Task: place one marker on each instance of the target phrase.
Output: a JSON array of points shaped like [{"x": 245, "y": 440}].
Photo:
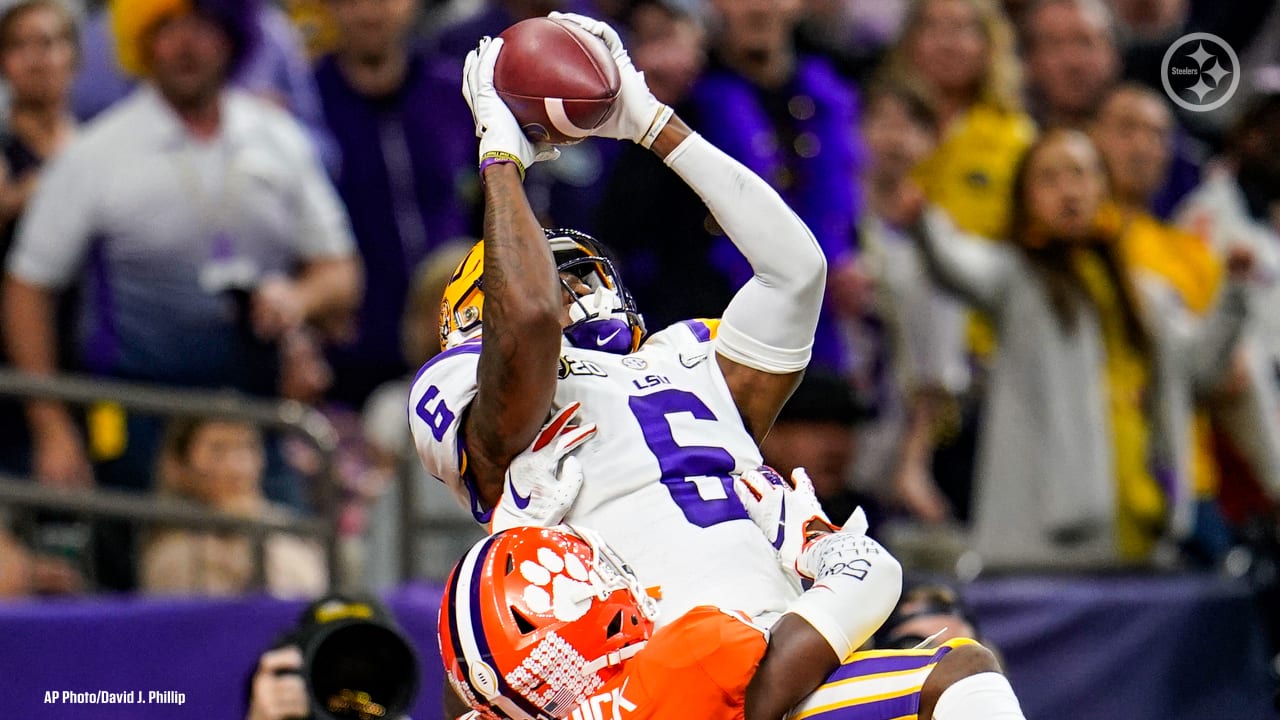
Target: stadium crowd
[{"x": 1048, "y": 316}]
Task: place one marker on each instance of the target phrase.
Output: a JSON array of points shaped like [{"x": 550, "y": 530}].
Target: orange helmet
[{"x": 534, "y": 620}]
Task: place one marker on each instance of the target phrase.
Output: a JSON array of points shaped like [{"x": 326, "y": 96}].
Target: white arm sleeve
[
  {"x": 855, "y": 589},
  {"x": 975, "y": 270},
  {"x": 770, "y": 322}
]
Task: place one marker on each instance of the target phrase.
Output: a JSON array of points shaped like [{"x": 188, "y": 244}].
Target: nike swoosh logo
[
  {"x": 601, "y": 341},
  {"x": 692, "y": 362},
  {"x": 782, "y": 528},
  {"x": 521, "y": 502}
]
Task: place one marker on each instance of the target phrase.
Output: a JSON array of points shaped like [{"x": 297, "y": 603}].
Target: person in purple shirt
[
  {"x": 402, "y": 131},
  {"x": 455, "y": 40},
  {"x": 787, "y": 117}
]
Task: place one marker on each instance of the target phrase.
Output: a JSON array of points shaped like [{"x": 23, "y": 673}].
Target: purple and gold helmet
[{"x": 605, "y": 320}]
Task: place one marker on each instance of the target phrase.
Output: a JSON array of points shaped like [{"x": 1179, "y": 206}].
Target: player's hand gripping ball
[{"x": 560, "y": 81}]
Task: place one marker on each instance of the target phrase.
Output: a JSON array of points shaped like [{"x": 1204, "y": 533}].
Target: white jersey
[{"x": 658, "y": 483}]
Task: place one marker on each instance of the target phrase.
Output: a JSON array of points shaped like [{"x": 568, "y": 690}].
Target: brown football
[{"x": 559, "y": 80}]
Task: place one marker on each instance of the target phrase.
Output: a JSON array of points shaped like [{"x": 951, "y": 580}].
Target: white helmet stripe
[{"x": 467, "y": 629}]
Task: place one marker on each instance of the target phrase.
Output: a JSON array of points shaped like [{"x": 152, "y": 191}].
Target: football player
[
  {"x": 551, "y": 623},
  {"x": 538, "y": 323},
  {"x": 535, "y": 322}
]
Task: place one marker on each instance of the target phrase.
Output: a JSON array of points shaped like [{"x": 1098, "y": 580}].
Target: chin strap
[{"x": 616, "y": 657}]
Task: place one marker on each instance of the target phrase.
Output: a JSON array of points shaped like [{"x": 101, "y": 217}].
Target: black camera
[{"x": 356, "y": 661}]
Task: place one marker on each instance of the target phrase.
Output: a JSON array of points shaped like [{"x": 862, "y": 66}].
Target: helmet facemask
[{"x": 606, "y": 319}]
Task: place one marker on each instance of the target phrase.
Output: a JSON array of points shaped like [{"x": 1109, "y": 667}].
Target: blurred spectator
[
  {"x": 1133, "y": 131},
  {"x": 1073, "y": 63},
  {"x": 853, "y": 34},
  {"x": 208, "y": 228},
  {"x": 651, "y": 218},
  {"x": 814, "y": 431},
  {"x": 668, "y": 42},
  {"x": 1239, "y": 200},
  {"x": 1239, "y": 204},
  {"x": 1148, "y": 28},
  {"x": 219, "y": 465},
  {"x": 435, "y": 552},
  {"x": 276, "y": 68},
  {"x": 1133, "y": 134},
  {"x": 961, "y": 53},
  {"x": 452, "y": 43},
  {"x": 1063, "y": 463},
  {"x": 927, "y": 616},
  {"x": 37, "y": 61},
  {"x": 787, "y": 117},
  {"x": 916, "y": 332},
  {"x": 38, "y": 55},
  {"x": 405, "y": 137},
  {"x": 1072, "y": 59}
]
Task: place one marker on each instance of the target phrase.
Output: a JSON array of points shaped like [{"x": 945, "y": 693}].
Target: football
[{"x": 559, "y": 80}]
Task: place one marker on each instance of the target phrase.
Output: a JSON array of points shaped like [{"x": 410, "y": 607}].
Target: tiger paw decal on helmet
[{"x": 536, "y": 619}]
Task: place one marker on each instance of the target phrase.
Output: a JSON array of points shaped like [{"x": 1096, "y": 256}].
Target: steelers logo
[{"x": 1200, "y": 72}]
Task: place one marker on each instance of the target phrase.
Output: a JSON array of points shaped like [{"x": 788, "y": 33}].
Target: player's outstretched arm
[
  {"x": 766, "y": 333},
  {"x": 516, "y": 375}
]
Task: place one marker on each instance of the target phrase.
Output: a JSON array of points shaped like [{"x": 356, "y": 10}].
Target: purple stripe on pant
[{"x": 889, "y": 708}]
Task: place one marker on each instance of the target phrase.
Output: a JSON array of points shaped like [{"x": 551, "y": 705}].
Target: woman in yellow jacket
[{"x": 960, "y": 53}]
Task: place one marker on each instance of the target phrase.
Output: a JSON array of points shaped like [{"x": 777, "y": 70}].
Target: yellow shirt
[
  {"x": 315, "y": 23},
  {"x": 970, "y": 173},
  {"x": 1182, "y": 259},
  {"x": 1140, "y": 501}
]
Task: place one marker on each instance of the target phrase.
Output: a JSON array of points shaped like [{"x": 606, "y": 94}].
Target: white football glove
[
  {"x": 843, "y": 552},
  {"x": 783, "y": 510},
  {"x": 637, "y": 114},
  {"x": 856, "y": 585},
  {"x": 543, "y": 481},
  {"x": 499, "y": 131}
]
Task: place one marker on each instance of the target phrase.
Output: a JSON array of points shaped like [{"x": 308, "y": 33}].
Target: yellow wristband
[{"x": 493, "y": 157}]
